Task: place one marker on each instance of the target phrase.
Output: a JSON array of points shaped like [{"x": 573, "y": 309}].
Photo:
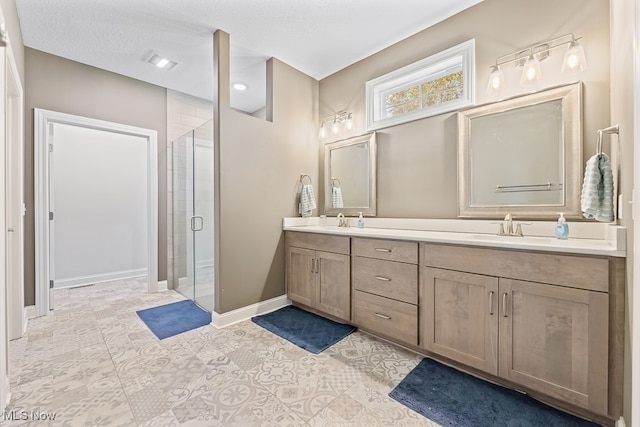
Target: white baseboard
[
  {"x": 163, "y": 285},
  {"x": 73, "y": 282},
  {"x": 620, "y": 422},
  {"x": 245, "y": 313},
  {"x": 30, "y": 312}
]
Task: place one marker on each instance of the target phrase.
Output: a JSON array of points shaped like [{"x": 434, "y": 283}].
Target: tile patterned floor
[{"x": 93, "y": 362}]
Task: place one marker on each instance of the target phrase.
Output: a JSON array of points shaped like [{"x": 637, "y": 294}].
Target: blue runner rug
[
  {"x": 306, "y": 330},
  {"x": 172, "y": 319},
  {"x": 453, "y": 398}
]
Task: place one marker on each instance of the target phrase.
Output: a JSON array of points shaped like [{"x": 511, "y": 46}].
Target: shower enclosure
[{"x": 193, "y": 243}]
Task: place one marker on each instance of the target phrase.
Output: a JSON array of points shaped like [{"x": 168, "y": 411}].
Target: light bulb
[
  {"x": 531, "y": 71},
  {"x": 334, "y": 127},
  {"x": 323, "y": 132},
  {"x": 496, "y": 80},
  {"x": 349, "y": 123},
  {"x": 574, "y": 59}
]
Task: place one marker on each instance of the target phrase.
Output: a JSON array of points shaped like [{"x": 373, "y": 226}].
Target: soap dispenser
[
  {"x": 360, "y": 221},
  {"x": 562, "y": 228}
]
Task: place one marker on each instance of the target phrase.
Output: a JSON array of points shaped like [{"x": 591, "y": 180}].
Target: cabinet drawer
[
  {"x": 394, "y": 319},
  {"x": 319, "y": 242},
  {"x": 391, "y": 250},
  {"x": 582, "y": 272},
  {"x": 386, "y": 278}
]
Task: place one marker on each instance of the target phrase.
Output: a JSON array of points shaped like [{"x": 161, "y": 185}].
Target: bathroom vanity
[{"x": 534, "y": 314}]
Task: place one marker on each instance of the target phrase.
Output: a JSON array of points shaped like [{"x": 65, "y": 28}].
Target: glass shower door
[
  {"x": 193, "y": 215},
  {"x": 203, "y": 215}
]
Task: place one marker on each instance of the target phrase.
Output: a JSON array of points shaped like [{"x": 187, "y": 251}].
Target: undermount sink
[{"x": 515, "y": 239}]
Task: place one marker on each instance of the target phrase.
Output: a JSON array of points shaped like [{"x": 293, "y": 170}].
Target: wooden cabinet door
[
  {"x": 333, "y": 291},
  {"x": 460, "y": 317},
  {"x": 301, "y": 275},
  {"x": 555, "y": 339}
]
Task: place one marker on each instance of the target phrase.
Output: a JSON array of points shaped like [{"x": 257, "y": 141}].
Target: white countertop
[{"x": 600, "y": 239}]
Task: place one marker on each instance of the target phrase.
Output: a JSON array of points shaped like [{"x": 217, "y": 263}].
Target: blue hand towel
[
  {"x": 307, "y": 200},
  {"x": 336, "y": 198},
  {"x": 597, "y": 189}
]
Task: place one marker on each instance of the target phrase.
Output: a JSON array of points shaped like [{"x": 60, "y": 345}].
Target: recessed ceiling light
[
  {"x": 160, "y": 62},
  {"x": 240, "y": 86}
]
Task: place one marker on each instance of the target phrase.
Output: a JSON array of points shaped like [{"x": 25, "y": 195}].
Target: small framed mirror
[
  {"x": 350, "y": 176},
  {"x": 522, "y": 156}
]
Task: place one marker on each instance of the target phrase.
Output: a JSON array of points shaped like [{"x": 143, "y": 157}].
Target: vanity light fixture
[
  {"x": 336, "y": 123},
  {"x": 529, "y": 58}
]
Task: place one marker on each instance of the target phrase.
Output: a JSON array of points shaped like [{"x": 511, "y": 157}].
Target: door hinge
[
  {"x": 50, "y": 216},
  {"x": 51, "y": 148},
  {"x": 50, "y": 284}
]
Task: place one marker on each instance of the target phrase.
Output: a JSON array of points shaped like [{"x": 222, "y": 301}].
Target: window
[{"x": 438, "y": 84}]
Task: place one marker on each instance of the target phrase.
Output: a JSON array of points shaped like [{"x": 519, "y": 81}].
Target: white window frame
[{"x": 420, "y": 70}]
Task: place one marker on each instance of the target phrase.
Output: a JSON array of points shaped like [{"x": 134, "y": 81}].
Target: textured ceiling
[{"x": 318, "y": 37}]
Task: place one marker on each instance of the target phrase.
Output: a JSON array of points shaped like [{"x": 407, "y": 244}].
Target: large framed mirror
[
  {"x": 522, "y": 156},
  {"x": 350, "y": 176}
]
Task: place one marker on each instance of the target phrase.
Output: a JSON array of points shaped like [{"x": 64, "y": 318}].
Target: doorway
[
  {"x": 15, "y": 209},
  {"x": 47, "y": 125},
  {"x": 192, "y": 198}
]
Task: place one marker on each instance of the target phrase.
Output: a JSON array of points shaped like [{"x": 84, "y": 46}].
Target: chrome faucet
[{"x": 342, "y": 221}]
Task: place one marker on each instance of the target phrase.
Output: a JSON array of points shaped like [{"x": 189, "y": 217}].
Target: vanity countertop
[{"x": 591, "y": 239}]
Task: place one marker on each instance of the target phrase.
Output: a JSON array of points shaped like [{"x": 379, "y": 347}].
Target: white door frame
[
  {"x": 43, "y": 125},
  {"x": 634, "y": 320},
  {"x": 14, "y": 137}
]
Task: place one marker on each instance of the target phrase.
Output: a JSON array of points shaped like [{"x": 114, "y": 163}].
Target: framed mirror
[
  {"x": 522, "y": 156},
  {"x": 350, "y": 176}
]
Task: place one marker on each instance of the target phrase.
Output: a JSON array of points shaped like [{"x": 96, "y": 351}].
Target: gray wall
[
  {"x": 259, "y": 165},
  {"x": 417, "y": 169},
  {"x": 58, "y": 84}
]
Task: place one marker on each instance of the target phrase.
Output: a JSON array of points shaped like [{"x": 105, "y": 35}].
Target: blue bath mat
[
  {"x": 172, "y": 319},
  {"x": 453, "y": 398},
  {"x": 306, "y": 330}
]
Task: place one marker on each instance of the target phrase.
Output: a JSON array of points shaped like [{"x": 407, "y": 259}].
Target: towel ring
[
  {"x": 611, "y": 129},
  {"x": 334, "y": 181},
  {"x": 303, "y": 176}
]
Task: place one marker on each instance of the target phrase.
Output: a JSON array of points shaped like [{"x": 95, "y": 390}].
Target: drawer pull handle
[
  {"x": 383, "y": 250},
  {"x": 491, "y": 303},
  {"x": 382, "y": 316},
  {"x": 313, "y": 265},
  {"x": 504, "y": 304},
  {"x": 384, "y": 279}
]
